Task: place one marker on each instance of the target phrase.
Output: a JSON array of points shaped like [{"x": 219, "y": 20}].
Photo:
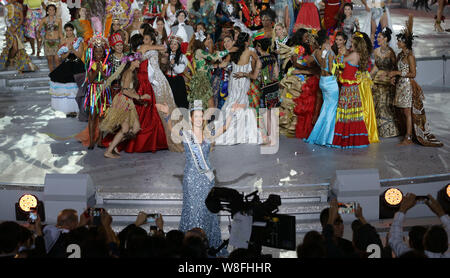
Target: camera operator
[{"x": 436, "y": 238}]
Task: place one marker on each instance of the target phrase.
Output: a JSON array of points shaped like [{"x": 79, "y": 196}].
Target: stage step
[
  {"x": 305, "y": 202},
  {"x": 308, "y": 192}
]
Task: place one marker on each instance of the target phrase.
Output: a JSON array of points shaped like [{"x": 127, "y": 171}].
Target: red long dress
[
  {"x": 305, "y": 107},
  {"x": 331, "y": 10},
  {"x": 151, "y": 137}
]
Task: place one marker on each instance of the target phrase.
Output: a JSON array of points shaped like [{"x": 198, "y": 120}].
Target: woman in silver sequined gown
[
  {"x": 197, "y": 185},
  {"x": 163, "y": 94}
]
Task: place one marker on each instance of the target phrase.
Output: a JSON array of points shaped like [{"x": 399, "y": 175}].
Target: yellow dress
[{"x": 365, "y": 90}]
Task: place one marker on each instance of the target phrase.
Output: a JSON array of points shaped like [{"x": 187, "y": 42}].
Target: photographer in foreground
[{"x": 436, "y": 238}]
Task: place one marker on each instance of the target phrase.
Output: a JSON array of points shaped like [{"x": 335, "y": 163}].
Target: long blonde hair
[
  {"x": 274, "y": 43},
  {"x": 361, "y": 49}
]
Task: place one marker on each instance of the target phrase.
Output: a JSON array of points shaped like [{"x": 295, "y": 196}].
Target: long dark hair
[
  {"x": 344, "y": 36},
  {"x": 241, "y": 45},
  {"x": 127, "y": 67},
  {"x": 341, "y": 15},
  {"x": 177, "y": 53},
  {"x": 147, "y": 28},
  {"x": 164, "y": 33},
  {"x": 178, "y": 5},
  {"x": 135, "y": 41}
]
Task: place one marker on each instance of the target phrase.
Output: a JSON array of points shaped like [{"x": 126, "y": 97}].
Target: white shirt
[
  {"x": 180, "y": 67},
  {"x": 182, "y": 32},
  {"x": 396, "y": 237}
]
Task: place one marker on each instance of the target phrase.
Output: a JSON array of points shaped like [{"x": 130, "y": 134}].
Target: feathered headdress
[{"x": 406, "y": 35}]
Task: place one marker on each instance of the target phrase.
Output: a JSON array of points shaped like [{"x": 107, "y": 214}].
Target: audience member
[{"x": 435, "y": 241}]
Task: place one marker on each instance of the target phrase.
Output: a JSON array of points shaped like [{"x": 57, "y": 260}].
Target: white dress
[
  {"x": 376, "y": 12},
  {"x": 243, "y": 128}
]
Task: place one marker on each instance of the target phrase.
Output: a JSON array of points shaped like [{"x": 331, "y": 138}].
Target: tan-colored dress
[
  {"x": 408, "y": 92},
  {"x": 122, "y": 109},
  {"x": 383, "y": 96}
]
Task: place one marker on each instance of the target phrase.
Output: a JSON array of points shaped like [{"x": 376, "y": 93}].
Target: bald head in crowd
[{"x": 67, "y": 219}]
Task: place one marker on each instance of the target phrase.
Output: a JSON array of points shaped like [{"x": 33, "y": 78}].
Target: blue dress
[
  {"x": 323, "y": 131},
  {"x": 196, "y": 187}
]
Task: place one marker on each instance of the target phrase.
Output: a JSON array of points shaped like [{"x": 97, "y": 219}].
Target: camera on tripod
[{"x": 268, "y": 228}]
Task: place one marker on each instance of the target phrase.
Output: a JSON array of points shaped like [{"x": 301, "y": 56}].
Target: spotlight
[
  {"x": 26, "y": 204},
  {"x": 390, "y": 202},
  {"x": 393, "y": 197},
  {"x": 28, "y": 201},
  {"x": 443, "y": 197}
]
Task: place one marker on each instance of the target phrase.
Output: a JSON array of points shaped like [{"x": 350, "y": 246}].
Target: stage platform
[{"x": 299, "y": 172}]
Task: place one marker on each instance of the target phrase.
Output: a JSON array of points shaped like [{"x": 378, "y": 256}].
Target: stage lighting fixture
[
  {"x": 443, "y": 197},
  {"x": 393, "y": 197},
  {"x": 26, "y": 203},
  {"x": 390, "y": 202}
]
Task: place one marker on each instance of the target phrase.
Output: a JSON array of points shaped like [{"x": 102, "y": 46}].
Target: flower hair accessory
[
  {"x": 133, "y": 57},
  {"x": 200, "y": 36},
  {"x": 358, "y": 34}
]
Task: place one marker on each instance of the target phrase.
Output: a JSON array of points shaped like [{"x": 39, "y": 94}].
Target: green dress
[{"x": 200, "y": 84}]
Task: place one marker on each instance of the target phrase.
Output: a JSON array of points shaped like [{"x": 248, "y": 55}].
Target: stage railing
[{"x": 433, "y": 71}]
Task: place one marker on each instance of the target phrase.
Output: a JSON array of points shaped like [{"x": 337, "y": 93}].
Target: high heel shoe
[{"x": 437, "y": 26}]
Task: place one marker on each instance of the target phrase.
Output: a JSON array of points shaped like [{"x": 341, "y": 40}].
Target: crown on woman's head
[
  {"x": 197, "y": 105},
  {"x": 175, "y": 38},
  {"x": 181, "y": 11}
]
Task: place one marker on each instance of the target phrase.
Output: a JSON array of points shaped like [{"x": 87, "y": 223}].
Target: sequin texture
[{"x": 196, "y": 187}]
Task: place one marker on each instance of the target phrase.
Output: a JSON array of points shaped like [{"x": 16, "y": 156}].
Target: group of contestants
[{"x": 337, "y": 87}]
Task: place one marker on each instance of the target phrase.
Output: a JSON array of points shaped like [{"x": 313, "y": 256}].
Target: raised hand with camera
[
  {"x": 334, "y": 209},
  {"x": 359, "y": 214},
  {"x": 141, "y": 219},
  {"x": 435, "y": 206},
  {"x": 407, "y": 203}
]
